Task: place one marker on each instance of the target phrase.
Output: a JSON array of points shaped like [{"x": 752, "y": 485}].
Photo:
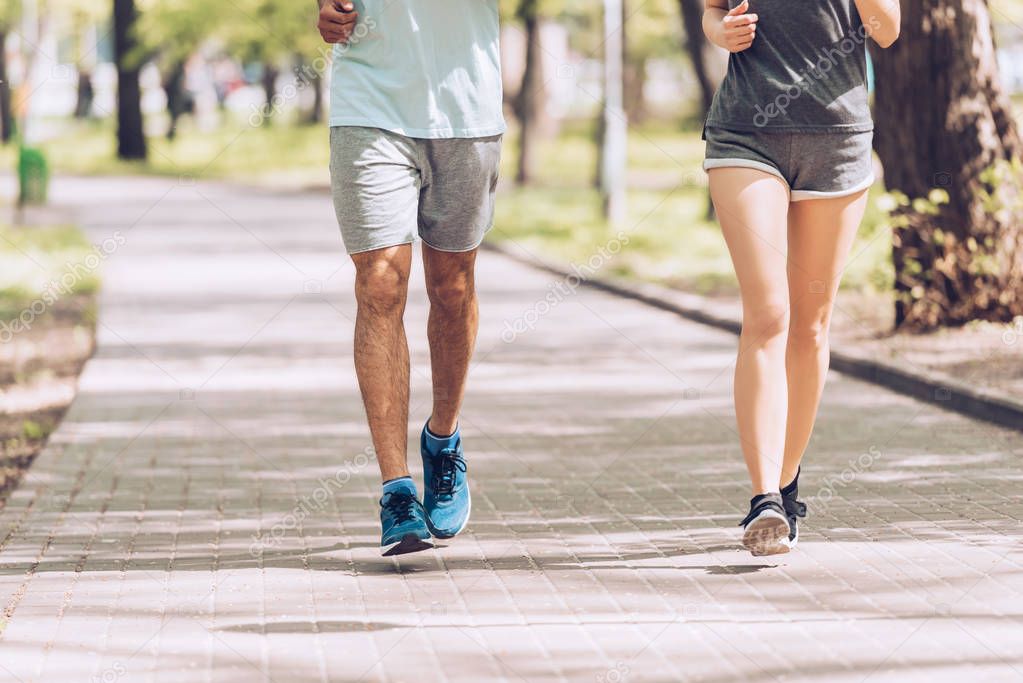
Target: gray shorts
[
  {"x": 813, "y": 165},
  {"x": 388, "y": 189}
]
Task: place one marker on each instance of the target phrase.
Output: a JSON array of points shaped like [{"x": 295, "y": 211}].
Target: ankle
[
  {"x": 789, "y": 481},
  {"x": 394, "y": 475},
  {"x": 441, "y": 430},
  {"x": 405, "y": 483}
]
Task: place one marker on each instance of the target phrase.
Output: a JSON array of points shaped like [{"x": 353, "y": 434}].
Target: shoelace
[
  {"x": 448, "y": 461},
  {"x": 400, "y": 505}
]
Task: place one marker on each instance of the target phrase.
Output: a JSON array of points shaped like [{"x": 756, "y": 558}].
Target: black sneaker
[
  {"x": 767, "y": 526},
  {"x": 794, "y": 509}
]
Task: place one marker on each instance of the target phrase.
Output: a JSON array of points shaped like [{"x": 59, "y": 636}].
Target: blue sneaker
[
  {"x": 446, "y": 493},
  {"x": 403, "y": 521}
]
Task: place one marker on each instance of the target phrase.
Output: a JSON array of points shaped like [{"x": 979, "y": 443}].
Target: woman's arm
[
  {"x": 733, "y": 30},
  {"x": 881, "y": 19}
]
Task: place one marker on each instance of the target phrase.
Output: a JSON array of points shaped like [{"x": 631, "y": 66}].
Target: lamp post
[{"x": 613, "y": 160}]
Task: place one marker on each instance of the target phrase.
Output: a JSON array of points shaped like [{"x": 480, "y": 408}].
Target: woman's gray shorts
[
  {"x": 389, "y": 189},
  {"x": 813, "y": 165}
]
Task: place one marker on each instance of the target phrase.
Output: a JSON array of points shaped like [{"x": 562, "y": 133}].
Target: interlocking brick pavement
[{"x": 207, "y": 511}]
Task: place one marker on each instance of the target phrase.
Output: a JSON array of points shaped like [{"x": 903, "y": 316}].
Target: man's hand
[{"x": 337, "y": 20}]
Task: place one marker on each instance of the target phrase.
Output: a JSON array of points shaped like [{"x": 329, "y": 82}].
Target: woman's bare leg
[
  {"x": 821, "y": 233},
  {"x": 752, "y": 207}
]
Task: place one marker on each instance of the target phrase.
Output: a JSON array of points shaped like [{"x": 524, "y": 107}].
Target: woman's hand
[{"x": 732, "y": 29}]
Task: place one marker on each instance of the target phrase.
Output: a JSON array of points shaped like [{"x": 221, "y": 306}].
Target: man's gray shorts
[
  {"x": 388, "y": 189},
  {"x": 813, "y": 165}
]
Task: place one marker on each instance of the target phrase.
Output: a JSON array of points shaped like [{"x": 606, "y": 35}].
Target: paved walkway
[{"x": 207, "y": 511}]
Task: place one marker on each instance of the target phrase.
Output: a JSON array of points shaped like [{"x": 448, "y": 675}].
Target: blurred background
[{"x": 605, "y": 102}]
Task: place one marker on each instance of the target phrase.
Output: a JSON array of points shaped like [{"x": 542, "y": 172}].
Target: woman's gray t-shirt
[{"x": 806, "y": 71}]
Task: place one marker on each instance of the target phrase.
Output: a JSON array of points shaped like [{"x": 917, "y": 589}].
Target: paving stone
[{"x": 207, "y": 511}]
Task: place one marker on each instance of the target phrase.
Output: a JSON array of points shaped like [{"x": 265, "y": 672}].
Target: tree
[
  {"x": 614, "y": 126},
  {"x": 9, "y": 12},
  {"x": 178, "y": 100},
  {"x": 79, "y": 19},
  {"x": 131, "y": 139},
  {"x": 170, "y": 32},
  {"x": 950, "y": 148},
  {"x": 311, "y": 57},
  {"x": 315, "y": 81},
  {"x": 531, "y": 98},
  {"x": 274, "y": 33},
  {"x": 709, "y": 61},
  {"x": 650, "y": 31}
]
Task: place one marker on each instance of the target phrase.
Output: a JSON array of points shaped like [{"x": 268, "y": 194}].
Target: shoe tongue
[
  {"x": 403, "y": 485},
  {"x": 435, "y": 444}
]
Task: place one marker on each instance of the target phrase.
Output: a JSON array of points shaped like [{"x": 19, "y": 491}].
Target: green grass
[
  {"x": 670, "y": 238},
  {"x": 235, "y": 151},
  {"x": 33, "y": 430},
  {"x": 44, "y": 264},
  {"x": 558, "y": 217}
]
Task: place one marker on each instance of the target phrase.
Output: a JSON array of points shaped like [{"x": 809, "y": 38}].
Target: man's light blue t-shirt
[{"x": 421, "y": 68}]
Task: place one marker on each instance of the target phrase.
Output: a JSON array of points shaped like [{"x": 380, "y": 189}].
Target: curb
[{"x": 935, "y": 388}]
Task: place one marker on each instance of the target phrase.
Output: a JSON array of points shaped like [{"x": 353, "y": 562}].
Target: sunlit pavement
[{"x": 207, "y": 512}]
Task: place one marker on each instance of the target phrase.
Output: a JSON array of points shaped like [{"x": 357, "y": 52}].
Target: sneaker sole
[
  {"x": 410, "y": 543},
  {"x": 768, "y": 534},
  {"x": 793, "y": 541},
  {"x": 442, "y": 534}
]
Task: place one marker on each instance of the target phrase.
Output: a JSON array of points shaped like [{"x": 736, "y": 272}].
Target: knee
[
  {"x": 810, "y": 331},
  {"x": 452, "y": 293},
  {"x": 380, "y": 287},
  {"x": 765, "y": 324}
]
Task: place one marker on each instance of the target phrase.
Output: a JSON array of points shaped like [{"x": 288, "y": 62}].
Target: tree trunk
[
  {"x": 635, "y": 90},
  {"x": 633, "y": 76},
  {"x": 6, "y": 116},
  {"x": 131, "y": 139},
  {"x": 314, "y": 80},
  {"x": 84, "y": 92},
  {"x": 84, "y": 95},
  {"x": 174, "y": 88},
  {"x": 944, "y": 123},
  {"x": 270, "y": 73},
  {"x": 709, "y": 61},
  {"x": 531, "y": 99},
  {"x": 614, "y": 142}
]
